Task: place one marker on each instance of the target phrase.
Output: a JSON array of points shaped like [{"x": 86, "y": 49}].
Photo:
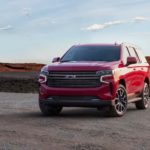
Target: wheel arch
[
  {"x": 122, "y": 82},
  {"x": 147, "y": 80}
]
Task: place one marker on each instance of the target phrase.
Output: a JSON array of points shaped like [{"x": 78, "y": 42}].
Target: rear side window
[
  {"x": 133, "y": 53},
  {"x": 141, "y": 56},
  {"x": 126, "y": 54}
]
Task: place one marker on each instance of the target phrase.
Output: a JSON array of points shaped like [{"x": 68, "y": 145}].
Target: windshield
[{"x": 92, "y": 53}]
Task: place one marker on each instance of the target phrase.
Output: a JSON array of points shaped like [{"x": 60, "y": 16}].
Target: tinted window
[
  {"x": 92, "y": 53},
  {"x": 125, "y": 55},
  {"x": 141, "y": 56},
  {"x": 133, "y": 53}
]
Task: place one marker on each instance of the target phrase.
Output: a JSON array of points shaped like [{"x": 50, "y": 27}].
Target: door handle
[{"x": 134, "y": 69}]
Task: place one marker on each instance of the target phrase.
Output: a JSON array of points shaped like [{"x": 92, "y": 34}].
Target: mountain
[{"x": 20, "y": 67}]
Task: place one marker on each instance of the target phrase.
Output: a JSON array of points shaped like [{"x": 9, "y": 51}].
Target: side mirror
[
  {"x": 131, "y": 60},
  {"x": 57, "y": 59}
]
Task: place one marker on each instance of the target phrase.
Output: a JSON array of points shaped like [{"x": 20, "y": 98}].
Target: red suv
[{"x": 96, "y": 75}]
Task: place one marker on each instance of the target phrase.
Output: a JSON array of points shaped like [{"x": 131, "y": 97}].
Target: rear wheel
[
  {"x": 49, "y": 110},
  {"x": 120, "y": 106},
  {"x": 144, "y": 102}
]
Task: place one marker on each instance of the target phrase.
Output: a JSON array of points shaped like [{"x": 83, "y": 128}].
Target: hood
[{"x": 81, "y": 66}]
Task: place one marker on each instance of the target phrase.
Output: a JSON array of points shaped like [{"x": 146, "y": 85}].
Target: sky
[{"x": 39, "y": 30}]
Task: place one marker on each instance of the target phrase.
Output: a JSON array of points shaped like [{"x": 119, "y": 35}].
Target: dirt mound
[
  {"x": 21, "y": 78},
  {"x": 25, "y": 67}
]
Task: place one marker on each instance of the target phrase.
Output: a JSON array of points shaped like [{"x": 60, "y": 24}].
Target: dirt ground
[{"x": 22, "y": 127}]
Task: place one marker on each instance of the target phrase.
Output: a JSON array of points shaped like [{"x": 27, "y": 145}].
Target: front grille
[{"x": 73, "y": 79}]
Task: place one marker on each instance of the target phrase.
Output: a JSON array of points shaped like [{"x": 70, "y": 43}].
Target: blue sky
[{"x": 38, "y": 30}]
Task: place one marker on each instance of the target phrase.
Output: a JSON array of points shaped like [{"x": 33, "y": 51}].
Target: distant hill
[{"x": 20, "y": 67}]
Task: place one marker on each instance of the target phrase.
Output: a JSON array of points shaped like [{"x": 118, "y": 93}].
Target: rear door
[
  {"x": 127, "y": 71},
  {"x": 135, "y": 84},
  {"x": 142, "y": 69}
]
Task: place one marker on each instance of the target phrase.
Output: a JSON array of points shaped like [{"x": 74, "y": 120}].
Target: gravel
[{"x": 23, "y": 127}]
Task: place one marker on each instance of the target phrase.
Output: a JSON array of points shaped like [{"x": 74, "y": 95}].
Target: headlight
[
  {"x": 43, "y": 77},
  {"x": 106, "y": 76}
]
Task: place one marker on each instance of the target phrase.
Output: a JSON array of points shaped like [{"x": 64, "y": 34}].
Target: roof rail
[{"x": 129, "y": 44}]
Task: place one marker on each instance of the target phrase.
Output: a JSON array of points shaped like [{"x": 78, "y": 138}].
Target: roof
[{"x": 99, "y": 44}]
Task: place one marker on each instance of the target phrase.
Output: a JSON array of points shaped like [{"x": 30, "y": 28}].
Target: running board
[{"x": 134, "y": 99}]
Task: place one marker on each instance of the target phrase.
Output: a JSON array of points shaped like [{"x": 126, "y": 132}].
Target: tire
[
  {"x": 144, "y": 102},
  {"x": 49, "y": 110},
  {"x": 120, "y": 106}
]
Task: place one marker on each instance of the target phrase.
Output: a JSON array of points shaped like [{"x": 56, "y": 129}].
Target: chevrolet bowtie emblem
[{"x": 70, "y": 76}]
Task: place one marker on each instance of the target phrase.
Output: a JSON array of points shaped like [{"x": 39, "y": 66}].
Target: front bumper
[
  {"x": 76, "y": 101},
  {"x": 104, "y": 92},
  {"x": 77, "y": 97}
]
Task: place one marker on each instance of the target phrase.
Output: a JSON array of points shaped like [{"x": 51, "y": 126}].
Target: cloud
[
  {"x": 140, "y": 19},
  {"x": 43, "y": 22},
  {"x": 96, "y": 27},
  {"x": 8, "y": 27},
  {"x": 26, "y": 12}
]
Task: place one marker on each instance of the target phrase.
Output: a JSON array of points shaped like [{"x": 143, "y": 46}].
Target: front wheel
[
  {"x": 49, "y": 110},
  {"x": 143, "y": 103},
  {"x": 120, "y": 106}
]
